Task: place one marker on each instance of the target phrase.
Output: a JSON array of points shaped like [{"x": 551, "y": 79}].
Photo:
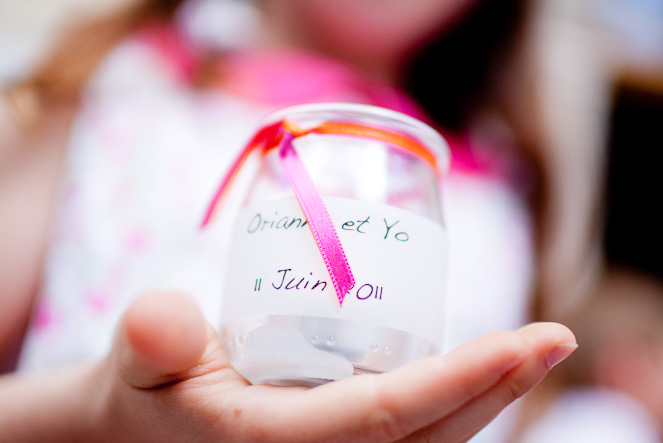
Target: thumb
[{"x": 160, "y": 337}]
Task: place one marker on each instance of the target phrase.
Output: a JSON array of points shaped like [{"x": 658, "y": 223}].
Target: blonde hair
[{"x": 58, "y": 80}]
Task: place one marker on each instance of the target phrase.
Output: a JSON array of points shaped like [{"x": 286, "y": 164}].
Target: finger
[
  {"x": 396, "y": 404},
  {"x": 159, "y": 336},
  {"x": 481, "y": 410}
]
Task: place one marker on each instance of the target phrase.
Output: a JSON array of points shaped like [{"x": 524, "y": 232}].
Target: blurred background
[{"x": 599, "y": 74}]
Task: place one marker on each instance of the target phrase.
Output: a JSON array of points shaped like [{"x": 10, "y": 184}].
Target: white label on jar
[{"x": 398, "y": 260}]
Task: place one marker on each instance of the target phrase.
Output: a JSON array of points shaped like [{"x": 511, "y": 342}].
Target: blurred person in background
[
  {"x": 612, "y": 391},
  {"x": 119, "y": 139}
]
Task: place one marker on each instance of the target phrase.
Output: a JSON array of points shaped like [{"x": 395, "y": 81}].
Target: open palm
[{"x": 171, "y": 380}]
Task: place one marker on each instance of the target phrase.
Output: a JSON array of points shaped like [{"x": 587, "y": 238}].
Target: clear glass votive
[{"x": 282, "y": 322}]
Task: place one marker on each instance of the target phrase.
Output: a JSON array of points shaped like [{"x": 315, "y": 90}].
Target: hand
[{"x": 168, "y": 378}]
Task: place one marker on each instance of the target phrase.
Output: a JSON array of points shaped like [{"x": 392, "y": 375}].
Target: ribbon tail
[{"x": 318, "y": 218}]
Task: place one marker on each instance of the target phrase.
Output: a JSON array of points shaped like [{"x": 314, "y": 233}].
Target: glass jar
[{"x": 377, "y": 172}]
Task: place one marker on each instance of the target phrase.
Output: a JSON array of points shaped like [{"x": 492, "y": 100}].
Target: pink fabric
[
  {"x": 176, "y": 53},
  {"x": 278, "y": 77},
  {"x": 289, "y": 77},
  {"x": 286, "y": 77}
]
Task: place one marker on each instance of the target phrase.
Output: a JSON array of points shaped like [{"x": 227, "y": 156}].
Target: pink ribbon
[{"x": 318, "y": 218}]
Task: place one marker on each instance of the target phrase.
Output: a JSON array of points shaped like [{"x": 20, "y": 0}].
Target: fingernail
[{"x": 559, "y": 353}]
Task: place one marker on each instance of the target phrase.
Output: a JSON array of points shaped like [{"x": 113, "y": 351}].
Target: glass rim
[{"x": 432, "y": 139}]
